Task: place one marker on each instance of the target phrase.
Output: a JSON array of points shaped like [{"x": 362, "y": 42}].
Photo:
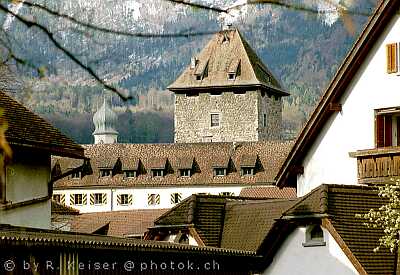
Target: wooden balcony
[{"x": 378, "y": 165}]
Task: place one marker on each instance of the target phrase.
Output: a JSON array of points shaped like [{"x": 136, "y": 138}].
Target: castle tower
[
  {"x": 105, "y": 121},
  {"x": 227, "y": 94}
]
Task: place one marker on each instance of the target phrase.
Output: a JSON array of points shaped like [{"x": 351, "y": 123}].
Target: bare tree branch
[{"x": 50, "y": 35}]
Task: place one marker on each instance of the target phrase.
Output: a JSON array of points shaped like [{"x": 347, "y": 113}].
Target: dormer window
[
  {"x": 314, "y": 236},
  {"x": 76, "y": 175},
  {"x": 220, "y": 172},
  {"x": 105, "y": 173},
  {"x": 130, "y": 174},
  {"x": 157, "y": 172},
  {"x": 247, "y": 171},
  {"x": 185, "y": 172}
]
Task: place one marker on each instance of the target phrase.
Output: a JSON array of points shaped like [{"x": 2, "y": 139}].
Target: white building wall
[
  {"x": 353, "y": 129},
  {"x": 293, "y": 258},
  {"x": 36, "y": 215},
  {"x": 27, "y": 179},
  {"x": 140, "y": 196}
]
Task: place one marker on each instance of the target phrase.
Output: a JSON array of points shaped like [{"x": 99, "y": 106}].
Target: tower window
[
  {"x": 265, "y": 120},
  {"x": 214, "y": 120},
  {"x": 231, "y": 76}
]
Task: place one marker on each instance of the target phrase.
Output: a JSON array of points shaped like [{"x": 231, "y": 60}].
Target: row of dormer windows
[{"x": 157, "y": 173}]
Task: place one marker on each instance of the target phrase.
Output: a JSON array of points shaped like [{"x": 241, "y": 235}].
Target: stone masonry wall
[
  {"x": 272, "y": 108},
  {"x": 240, "y": 117}
]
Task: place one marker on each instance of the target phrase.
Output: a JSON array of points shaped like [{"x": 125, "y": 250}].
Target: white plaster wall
[
  {"x": 35, "y": 215},
  {"x": 293, "y": 258},
  {"x": 353, "y": 129},
  {"x": 27, "y": 177},
  {"x": 140, "y": 196}
]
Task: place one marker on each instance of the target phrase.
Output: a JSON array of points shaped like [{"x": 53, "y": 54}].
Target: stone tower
[
  {"x": 227, "y": 94},
  {"x": 105, "y": 121}
]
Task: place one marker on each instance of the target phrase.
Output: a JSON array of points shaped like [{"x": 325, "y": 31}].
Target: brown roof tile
[
  {"x": 225, "y": 52},
  {"x": 120, "y": 223},
  {"x": 25, "y": 128},
  {"x": 271, "y": 192},
  {"x": 271, "y": 154},
  {"x": 61, "y": 209}
]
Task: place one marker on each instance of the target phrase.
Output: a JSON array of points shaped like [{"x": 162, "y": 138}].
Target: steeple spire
[{"x": 105, "y": 121}]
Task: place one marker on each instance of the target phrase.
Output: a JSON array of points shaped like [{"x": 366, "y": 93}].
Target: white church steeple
[{"x": 105, "y": 121}]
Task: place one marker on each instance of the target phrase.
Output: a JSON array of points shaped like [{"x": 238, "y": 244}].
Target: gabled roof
[
  {"x": 120, "y": 223},
  {"x": 227, "y": 52},
  {"x": 384, "y": 12},
  {"x": 226, "y": 222},
  {"x": 337, "y": 206},
  {"x": 27, "y": 129},
  {"x": 206, "y": 155}
]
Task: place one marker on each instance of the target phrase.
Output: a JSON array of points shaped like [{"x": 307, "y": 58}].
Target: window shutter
[
  {"x": 388, "y": 131},
  {"x": 172, "y": 198},
  {"x": 380, "y": 131},
  {"x": 150, "y": 199},
  {"x": 62, "y": 199},
  {"x": 84, "y": 199},
  {"x": 391, "y": 56},
  {"x": 130, "y": 199},
  {"x": 119, "y": 199},
  {"x": 92, "y": 199},
  {"x": 158, "y": 199},
  {"x": 104, "y": 198},
  {"x": 72, "y": 199}
]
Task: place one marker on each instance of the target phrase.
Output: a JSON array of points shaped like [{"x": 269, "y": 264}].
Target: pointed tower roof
[
  {"x": 227, "y": 61},
  {"x": 105, "y": 120}
]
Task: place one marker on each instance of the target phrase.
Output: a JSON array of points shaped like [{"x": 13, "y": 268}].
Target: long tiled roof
[
  {"x": 25, "y": 128},
  {"x": 61, "y": 209},
  {"x": 42, "y": 237},
  {"x": 119, "y": 223},
  {"x": 227, "y": 52},
  {"x": 340, "y": 203},
  {"x": 204, "y": 157}
]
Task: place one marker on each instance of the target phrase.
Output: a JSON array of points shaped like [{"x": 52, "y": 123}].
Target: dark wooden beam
[{"x": 335, "y": 107}]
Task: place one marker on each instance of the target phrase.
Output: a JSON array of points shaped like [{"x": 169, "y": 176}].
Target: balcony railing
[{"x": 377, "y": 165}]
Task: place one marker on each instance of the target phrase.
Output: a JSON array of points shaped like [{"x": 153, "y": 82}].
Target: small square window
[
  {"x": 214, "y": 120},
  {"x": 231, "y": 76},
  {"x": 98, "y": 198},
  {"x": 78, "y": 199},
  {"x": 124, "y": 199},
  {"x": 158, "y": 172},
  {"x": 198, "y": 77},
  {"x": 185, "y": 172},
  {"x": 219, "y": 172},
  {"x": 105, "y": 173},
  {"x": 130, "y": 174},
  {"x": 153, "y": 199}
]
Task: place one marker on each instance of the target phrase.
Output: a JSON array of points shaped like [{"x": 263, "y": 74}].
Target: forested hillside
[{"x": 302, "y": 49}]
